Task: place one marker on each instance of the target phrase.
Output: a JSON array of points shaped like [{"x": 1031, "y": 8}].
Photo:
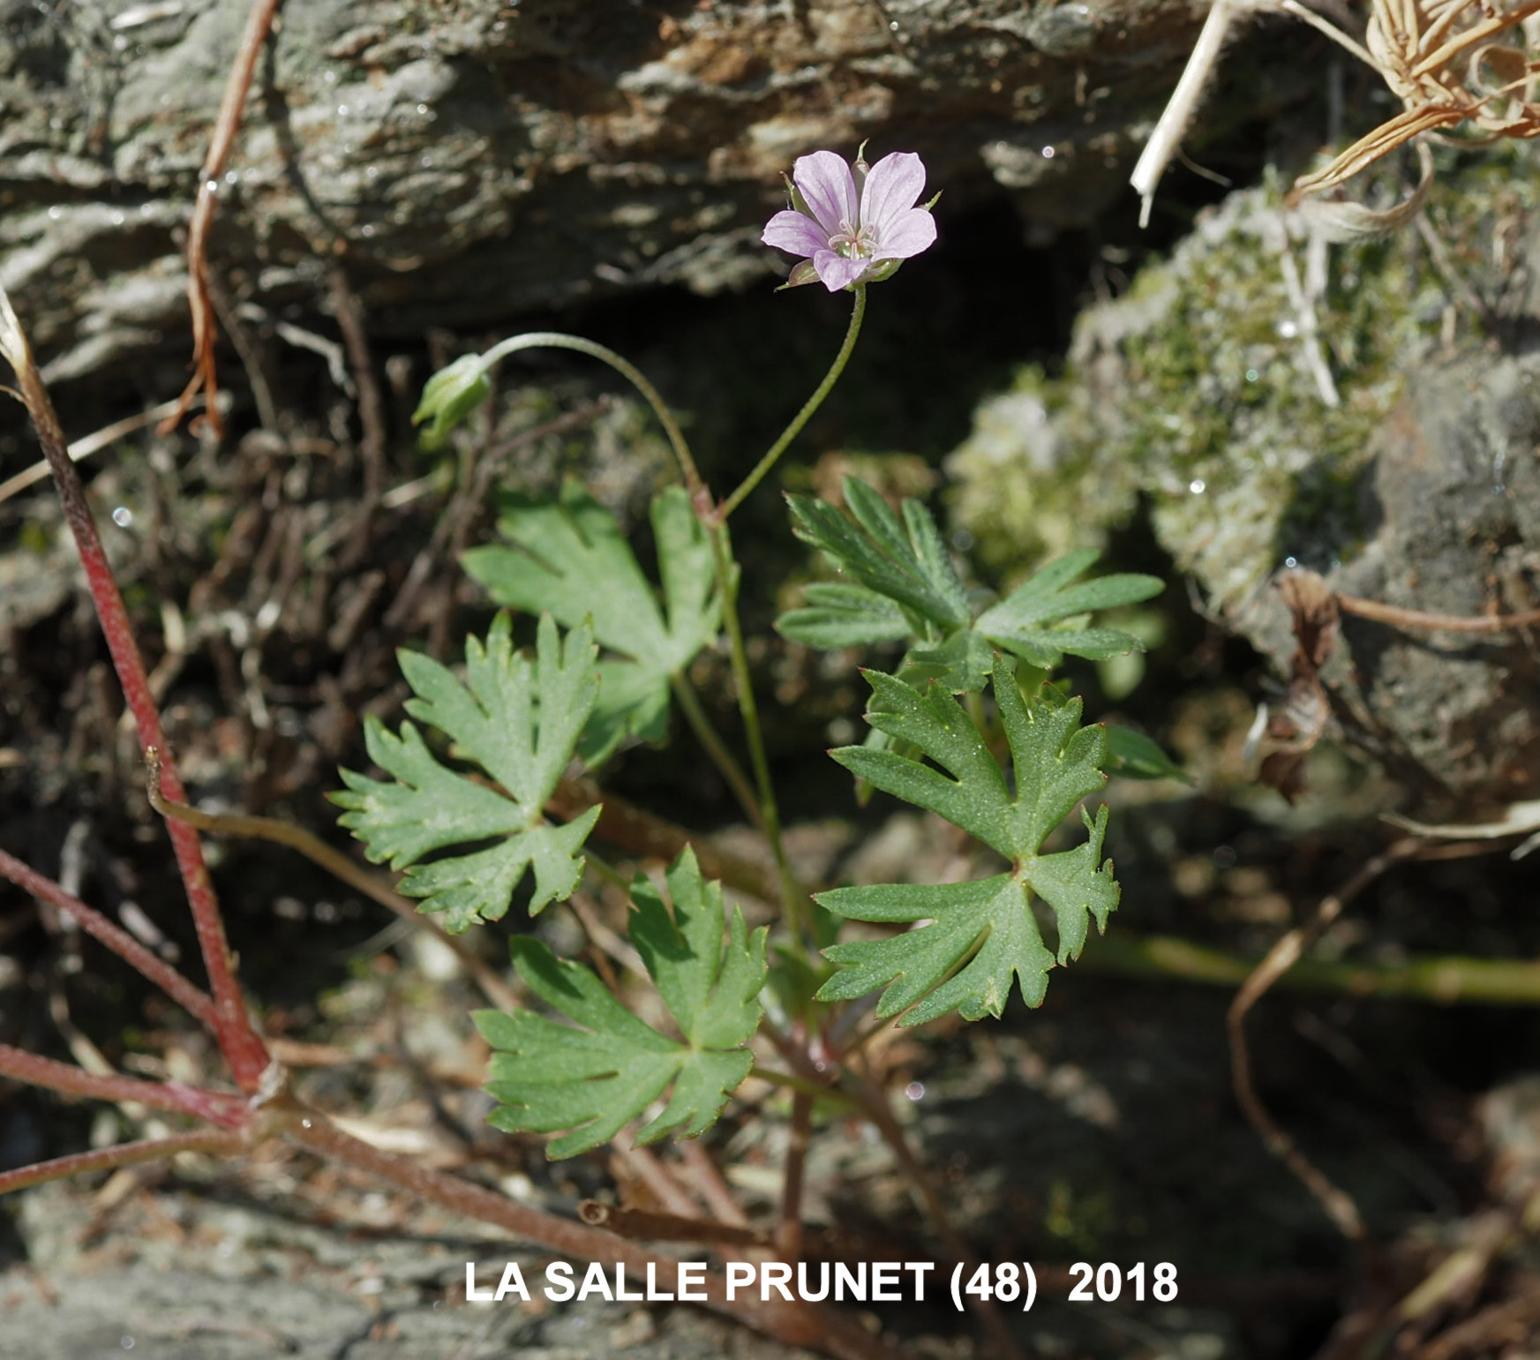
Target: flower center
[{"x": 854, "y": 243}]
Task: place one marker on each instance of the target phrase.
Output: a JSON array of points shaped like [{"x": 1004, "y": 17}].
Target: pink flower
[{"x": 852, "y": 228}]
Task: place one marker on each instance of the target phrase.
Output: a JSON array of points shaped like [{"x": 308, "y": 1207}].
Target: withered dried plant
[
  {"x": 1468, "y": 65},
  {"x": 1452, "y": 63}
]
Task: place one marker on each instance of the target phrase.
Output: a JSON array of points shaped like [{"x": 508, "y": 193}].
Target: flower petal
[
  {"x": 837, "y": 271},
  {"x": 892, "y": 187},
  {"x": 795, "y": 232},
  {"x": 906, "y": 234},
  {"x": 825, "y": 182}
]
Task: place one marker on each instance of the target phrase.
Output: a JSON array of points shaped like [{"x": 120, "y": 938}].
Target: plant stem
[
  {"x": 798, "y": 1135},
  {"x": 124, "y": 1154},
  {"x": 793, "y": 899},
  {"x": 242, "y": 1048},
  {"x": 196, "y": 1003},
  {"x": 806, "y": 1085},
  {"x": 628, "y": 371},
  {"x": 792, "y": 896},
  {"x": 35, "y": 1070},
  {"x": 712, "y": 743},
  {"x": 259, "y": 22},
  {"x": 1437, "y": 979},
  {"x": 1448, "y": 623},
  {"x": 762, "y": 468},
  {"x": 1336, "y": 1202},
  {"x": 710, "y": 1184},
  {"x": 372, "y": 885},
  {"x": 647, "y": 836}
]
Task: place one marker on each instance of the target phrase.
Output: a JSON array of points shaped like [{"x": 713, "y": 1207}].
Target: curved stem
[
  {"x": 644, "y": 835},
  {"x": 762, "y": 468},
  {"x": 712, "y": 743},
  {"x": 819, "y": 1090},
  {"x": 33, "y": 1069},
  {"x": 793, "y": 899},
  {"x": 628, "y": 371},
  {"x": 372, "y": 885}
]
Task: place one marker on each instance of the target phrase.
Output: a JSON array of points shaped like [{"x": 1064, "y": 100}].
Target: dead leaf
[{"x": 1295, "y": 726}]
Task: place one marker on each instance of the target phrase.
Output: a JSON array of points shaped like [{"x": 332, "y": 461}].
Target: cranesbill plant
[
  {"x": 970, "y": 680},
  {"x": 472, "y": 804}
]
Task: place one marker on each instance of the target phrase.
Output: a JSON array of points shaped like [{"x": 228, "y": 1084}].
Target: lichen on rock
[{"x": 1201, "y": 390}]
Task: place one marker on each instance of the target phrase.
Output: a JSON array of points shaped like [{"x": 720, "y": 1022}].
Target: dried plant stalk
[
  {"x": 1452, "y": 63},
  {"x": 205, "y": 378}
]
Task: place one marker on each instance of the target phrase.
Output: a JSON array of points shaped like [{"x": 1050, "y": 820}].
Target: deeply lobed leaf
[
  {"x": 1036, "y": 620},
  {"x": 908, "y": 590},
  {"x": 902, "y": 562},
  {"x": 601, "y": 1067},
  {"x": 981, "y": 937},
  {"x": 571, "y": 558},
  {"x": 519, "y": 723}
]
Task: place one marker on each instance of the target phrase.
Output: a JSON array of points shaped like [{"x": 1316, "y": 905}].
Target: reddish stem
[
  {"x": 242, "y": 1048},
  {"x": 798, "y": 1137},
  {"x": 124, "y": 1154},
  {"x": 227, "y": 1111},
  {"x": 124, "y": 945}
]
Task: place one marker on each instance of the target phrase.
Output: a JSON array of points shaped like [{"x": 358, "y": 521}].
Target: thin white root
[{"x": 1518, "y": 819}]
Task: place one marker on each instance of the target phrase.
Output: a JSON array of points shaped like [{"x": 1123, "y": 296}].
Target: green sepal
[{"x": 449, "y": 396}]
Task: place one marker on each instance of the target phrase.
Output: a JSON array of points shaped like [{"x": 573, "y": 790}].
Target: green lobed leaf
[
  {"x": 1136, "y": 756},
  {"x": 838, "y": 615},
  {"x": 909, "y": 589},
  {"x": 1037, "y": 620},
  {"x": 981, "y": 936},
  {"x": 902, "y": 560},
  {"x": 962, "y": 664},
  {"x": 591, "y": 1075},
  {"x": 570, "y": 557},
  {"x": 519, "y": 723}
]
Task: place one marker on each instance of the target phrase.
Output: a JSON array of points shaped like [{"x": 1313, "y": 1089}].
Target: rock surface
[
  {"x": 1396, "y": 454},
  {"x": 472, "y": 161}
]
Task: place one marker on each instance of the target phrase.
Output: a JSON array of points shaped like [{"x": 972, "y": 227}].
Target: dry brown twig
[
  {"x": 1452, "y": 63},
  {"x": 1338, "y": 1205},
  {"x": 205, "y": 378}
]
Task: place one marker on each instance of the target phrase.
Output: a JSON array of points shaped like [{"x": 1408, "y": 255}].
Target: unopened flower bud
[{"x": 449, "y": 396}]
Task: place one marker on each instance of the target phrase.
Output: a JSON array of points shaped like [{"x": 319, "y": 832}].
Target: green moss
[
  {"x": 1198, "y": 389},
  {"x": 1025, "y": 483}
]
